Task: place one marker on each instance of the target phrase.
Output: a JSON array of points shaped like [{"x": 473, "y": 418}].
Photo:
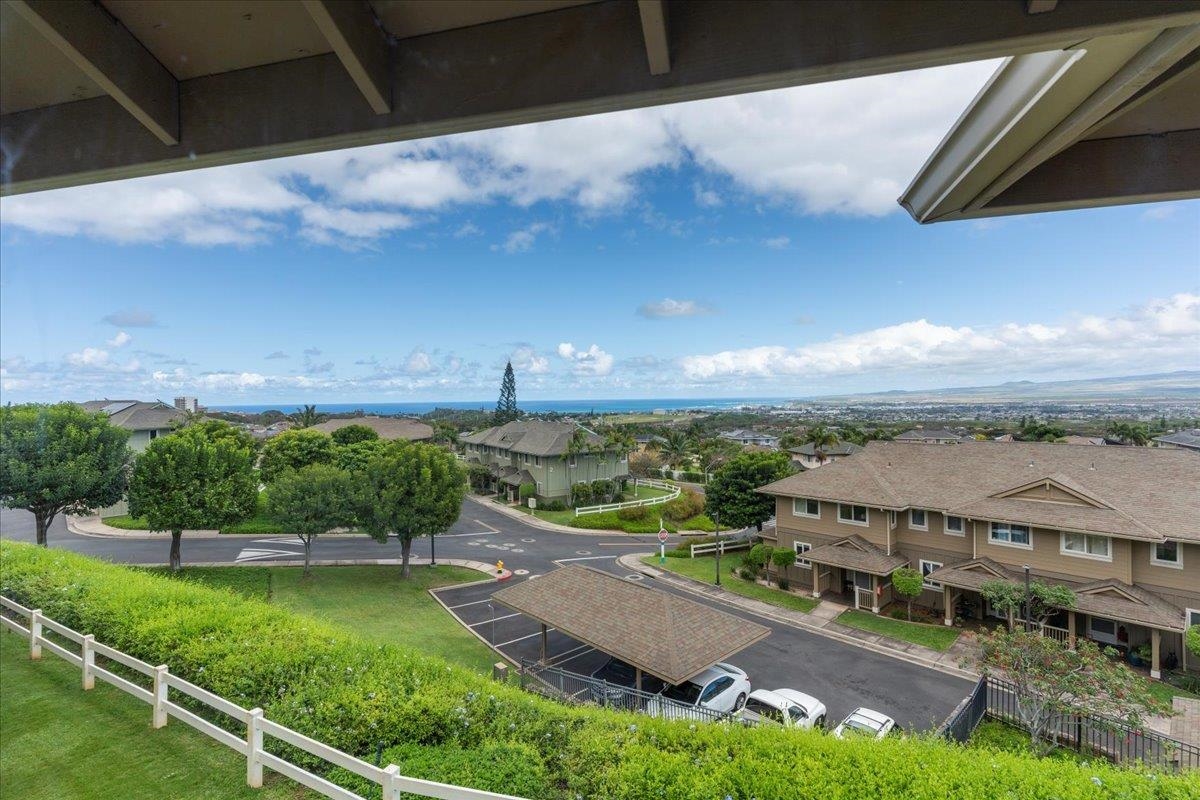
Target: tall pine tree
[{"x": 506, "y": 406}]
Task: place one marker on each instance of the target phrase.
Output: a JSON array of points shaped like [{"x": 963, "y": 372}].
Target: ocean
[{"x": 533, "y": 406}]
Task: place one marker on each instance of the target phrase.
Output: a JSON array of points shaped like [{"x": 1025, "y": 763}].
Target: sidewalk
[
  {"x": 821, "y": 620},
  {"x": 92, "y": 525}
]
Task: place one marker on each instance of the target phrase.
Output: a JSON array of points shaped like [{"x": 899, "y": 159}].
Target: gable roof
[
  {"x": 534, "y": 437},
  {"x": 1189, "y": 439},
  {"x": 1144, "y": 493},
  {"x": 136, "y": 415},
  {"x": 839, "y": 449},
  {"x": 920, "y": 435},
  {"x": 855, "y": 552},
  {"x": 663, "y": 634},
  {"x": 387, "y": 427},
  {"x": 745, "y": 433}
]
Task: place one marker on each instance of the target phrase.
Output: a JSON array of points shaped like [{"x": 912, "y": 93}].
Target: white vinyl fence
[
  {"x": 257, "y": 726},
  {"x": 725, "y": 544},
  {"x": 671, "y": 489}
]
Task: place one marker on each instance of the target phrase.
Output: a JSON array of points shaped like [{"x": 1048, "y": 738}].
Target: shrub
[
  {"x": 445, "y": 722},
  {"x": 553, "y": 505},
  {"x": 354, "y": 433},
  {"x": 784, "y": 584},
  {"x": 581, "y": 494},
  {"x": 633, "y": 513},
  {"x": 526, "y": 490},
  {"x": 686, "y": 506},
  {"x": 692, "y": 477},
  {"x": 783, "y": 558}
]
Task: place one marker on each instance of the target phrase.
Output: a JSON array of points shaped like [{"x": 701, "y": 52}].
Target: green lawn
[
  {"x": 259, "y": 524},
  {"x": 994, "y": 735},
  {"x": 703, "y": 568},
  {"x": 62, "y": 742},
  {"x": 937, "y": 637},
  {"x": 1165, "y": 692},
  {"x": 372, "y": 601}
]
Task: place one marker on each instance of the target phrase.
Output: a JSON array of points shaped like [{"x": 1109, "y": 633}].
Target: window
[
  {"x": 1085, "y": 545},
  {"x": 926, "y": 568},
  {"x": 715, "y": 688},
  {"x": 1102, "y": 630},
  {"x": 804, "y": 507},
  {"x": 852, "y": 515},
  {"x": 802, "y": 547},
  {"x": 954, "y": 526},
  {"x": 153, "y": 434},
  {"x": 1010, "y": 535},
  {"x": 1166, "y": 554},
  {"x": 1192, "y": 617},
  {"x": 763, "y": 710},
  {"x": 537, "y": 461},
  {"x": 571, "y": 461},
  {"x": 917, "y": 519}
]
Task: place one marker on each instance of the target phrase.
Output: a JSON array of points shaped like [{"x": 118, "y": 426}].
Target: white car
[
  {"x": 722, "y": 688},
  {"x": 865, "y": 722},
  {"x": 785, "y": 707}
]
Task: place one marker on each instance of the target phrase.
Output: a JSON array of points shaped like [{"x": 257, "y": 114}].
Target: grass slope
[
  {"x": 60, "y": 741},
  {"x": 703, "y": 568},
  {"x": 937, "y": 637}
]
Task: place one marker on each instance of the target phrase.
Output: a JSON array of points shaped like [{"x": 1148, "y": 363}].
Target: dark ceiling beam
[
  {"x": 110, "y": 55},
  {"x": 576, "y": 61},
  {"x": 358, "y": 40}
]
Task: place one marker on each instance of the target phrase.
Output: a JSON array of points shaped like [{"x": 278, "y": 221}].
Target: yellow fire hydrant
[{"x": 499, "y": 567}]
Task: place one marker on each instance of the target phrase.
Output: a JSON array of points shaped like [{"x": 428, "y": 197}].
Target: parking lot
[{"x": 842, "y": 676}]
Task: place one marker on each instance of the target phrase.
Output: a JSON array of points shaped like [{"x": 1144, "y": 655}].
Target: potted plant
[{"x": 1140, "y": 655}]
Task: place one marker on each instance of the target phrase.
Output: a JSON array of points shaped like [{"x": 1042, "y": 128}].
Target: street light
[
  {"x": 492, "y": 608},
  {"x": 717, "y": 535},
  {"x": 432, "y": 551},
  {"x": 1028, "y": 608}
]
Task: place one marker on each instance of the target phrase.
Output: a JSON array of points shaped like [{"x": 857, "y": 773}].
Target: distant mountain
[{"x": 1183, "y": 385}]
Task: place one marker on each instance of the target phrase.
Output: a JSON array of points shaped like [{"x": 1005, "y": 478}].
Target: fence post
[
  {"x": 391, "y": 784},
  {"x": 89, "y": 661},
  {"x": 254, "y": 746},
  {"x": 160, "y": 695},
  {"x": 35, "y": 634}
]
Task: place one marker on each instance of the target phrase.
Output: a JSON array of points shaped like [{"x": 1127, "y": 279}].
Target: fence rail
[
  {"x": 257, "y": 727},
  {"x": 1076, "y": 729},
  {"x": 732, "y": 543},
  {"x": 1049, "y": 631},
  {"x": 573, "y": 687},
  {"x": 672, "y": 490}
]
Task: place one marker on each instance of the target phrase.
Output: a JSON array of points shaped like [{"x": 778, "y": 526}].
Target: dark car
[{"x": 614, "y": 678}]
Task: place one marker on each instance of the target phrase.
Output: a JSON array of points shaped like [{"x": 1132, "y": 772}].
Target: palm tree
[
  {"x": 676, "y": 447},
  {"x": 306, "y": 417},
  {"x": 821, "y": 438},
  {"x": 578, "y": 443}
]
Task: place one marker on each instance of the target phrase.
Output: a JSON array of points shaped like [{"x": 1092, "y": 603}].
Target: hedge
[{"x": 447, "y": 723}]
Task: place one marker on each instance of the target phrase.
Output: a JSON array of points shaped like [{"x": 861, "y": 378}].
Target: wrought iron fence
[
  {"x": 1075, "y": 729},
  {"x": 573, "y": 687}
]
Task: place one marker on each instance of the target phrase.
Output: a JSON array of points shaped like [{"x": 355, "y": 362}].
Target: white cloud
[
  {"x": 321, "y": 224},
  {"x": 418, "y": 363},
  {"x": 278, "y": 354},
  {"x": 120, "y": 340},
  {"x": 777, "y": 242},
  {"x": 131, "y": 318},
  {"x": 522, "y": 241},
  {"x": 705, "y": 198},
  {"x": 592, "y": 362},
  {"x": 669, "y": 307},
  {"x": 526, "y": 359},
  {"x": 1159, "y": 334}
]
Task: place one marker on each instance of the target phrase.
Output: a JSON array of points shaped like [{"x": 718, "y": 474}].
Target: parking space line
[
  {"x": 489, "y": 620},
  {"x": 472, "y": 603},
  {"x": 559, "y": 660},
  {"x": 523, "y": 638}
]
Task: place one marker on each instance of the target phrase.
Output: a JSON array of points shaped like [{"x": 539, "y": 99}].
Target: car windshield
[
  {"x": 861, "y": 725},
  {"x": 686, "y": 693},
  {"x": 756, "y": 706},
  {"x": 797, "y": 713}
]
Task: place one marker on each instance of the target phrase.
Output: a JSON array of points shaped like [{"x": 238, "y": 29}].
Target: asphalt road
[{"x": 840, "y": 675}]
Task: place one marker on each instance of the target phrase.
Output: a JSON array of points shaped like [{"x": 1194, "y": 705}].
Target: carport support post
[
  {"x": 1155, "y": 642},
  {"x": 543, "y": 643},
  {"x": 638, "y": 684},
  {"x": 948, "y": 603},
  {"x": 874, "y": 594}
]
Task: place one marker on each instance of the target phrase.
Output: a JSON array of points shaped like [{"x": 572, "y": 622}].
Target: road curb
[
  {"x": 93, "y": 526},
  {"x": 478, "y": 566},
  {"x": 634, "y": 561}
]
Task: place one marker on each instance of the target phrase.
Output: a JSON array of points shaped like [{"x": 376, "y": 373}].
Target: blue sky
[{"x": 746, "y": 246}]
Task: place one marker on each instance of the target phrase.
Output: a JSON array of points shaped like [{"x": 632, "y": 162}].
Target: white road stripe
[
  {"x": 489, "y": 527},
  {"x": 582, "y": 558},
  {"x": 489, "y": 621},
  {"x": 472, "y": 603},
  {"x": 523, "y": 638},
  {"x": 559, "y": 660}
]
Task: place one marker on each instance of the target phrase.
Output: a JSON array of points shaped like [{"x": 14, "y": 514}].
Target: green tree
[
  {"x": 506, "y": 406},
  {"x": 821, "y": 438},
  {"x": 676, "y": 448},
  {"x": 186, "y": 480},
  {"x": 733, "y": 491},
  {"x": 576, "y": 446},
  {"x": 853, "y": 434},
  {"x": 310, "y": 501},
  {"x": 306, "y": 417},
  {"x": 715, "y": 452},
  {"x": 215, "y": 430},
  {"x": 782, "y": 558},
  {"x": 1049, "y": 679},
  {"x": 1044, "y": 600},
  {"x": 445, "y": 433},
  {"x": 294, "y": 449},
  {"x": 59, "y": 459},
  {"x": 1130, "y": 433},
  {"x": 412, "y": 489},
  {"x": 353, "y": 433},
  {"x": 908, "y": 583},
  {"x": 645, "y": 465},
  {"x": 353, "y": 458},
  {"x": 1192, "y": 640}
]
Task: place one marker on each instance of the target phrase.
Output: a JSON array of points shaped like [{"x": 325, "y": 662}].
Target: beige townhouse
[{"x": 1120, "y": 526}]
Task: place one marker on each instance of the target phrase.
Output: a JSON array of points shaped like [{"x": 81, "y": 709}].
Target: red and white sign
[{"x": 662, "y": 536}]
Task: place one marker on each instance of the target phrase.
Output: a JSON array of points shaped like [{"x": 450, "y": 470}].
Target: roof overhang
[
  {"x": 97, "y": 91},
  {"x": 1108, "y": 120}
]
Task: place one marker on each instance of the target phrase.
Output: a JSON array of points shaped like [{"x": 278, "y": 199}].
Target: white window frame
[
  {"x": 931, "y": 585},
  {"x": 866, "y": 511},
  {"x": 1101, "y": 636},
  {"x": 1062, "y": 546},
  {"x": 802, "y": 547},
  {"x": 571, "y": 462},
  {"x": 1187, "y": 617},
  {"x": 1009, "y": 543},
  {"x": 962, "y": 531},
  {"x": 914, "y": 526},
  {"x": 796, "y": 501},
  {"x": 1156, "y": 561}
]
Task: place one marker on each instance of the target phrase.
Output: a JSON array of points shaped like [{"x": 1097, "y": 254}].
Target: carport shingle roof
[
  {"x": 855, "y": 552},
  {"x": 662, "y": 634}
]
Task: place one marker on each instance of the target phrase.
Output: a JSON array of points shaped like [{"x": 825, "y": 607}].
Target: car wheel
[
  {"x": 740, "y": 703},
  {"x": 820, "y": 722}
]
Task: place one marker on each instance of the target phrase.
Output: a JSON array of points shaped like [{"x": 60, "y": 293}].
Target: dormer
[{"x": 1052, "y": 489}]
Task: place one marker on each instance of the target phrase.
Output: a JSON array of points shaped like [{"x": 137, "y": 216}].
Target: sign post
[{"x": 662, "y": 543}]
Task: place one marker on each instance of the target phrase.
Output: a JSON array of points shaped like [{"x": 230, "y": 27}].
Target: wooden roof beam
[{"x": 360, "y": 43}]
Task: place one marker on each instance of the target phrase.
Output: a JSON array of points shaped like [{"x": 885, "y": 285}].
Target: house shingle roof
[
  {"x": 1144, "y": 493},
  {"x": 663, "y": 634},
  {"x": 1188, "y": 438},
  {"x": 856, "y": 553},
  {"x": 920, "y": 434},
  {"x": 839, "y": 449},
  {"x": 535, "y": 437},
  {"x": 387, "y": 427},
  {"x": 135, "y": 415}
]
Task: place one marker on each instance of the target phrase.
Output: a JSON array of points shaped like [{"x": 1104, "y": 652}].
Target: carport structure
[{"x": 656, "y": 632}]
